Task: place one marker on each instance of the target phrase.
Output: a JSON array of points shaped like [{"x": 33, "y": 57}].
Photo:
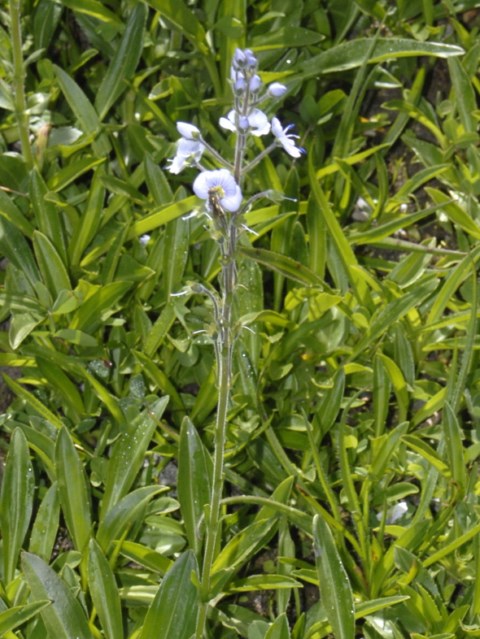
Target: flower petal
[{"x": 232, "y": 203}]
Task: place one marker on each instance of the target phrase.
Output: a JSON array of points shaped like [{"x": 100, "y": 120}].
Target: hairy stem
[
  {"x": 224, "y": 356},
  {"x": 18, "y": 83}
]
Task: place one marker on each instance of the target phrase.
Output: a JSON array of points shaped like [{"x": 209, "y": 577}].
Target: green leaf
[
  {"x": 352, "y": 54},
  {"x": 72, "y": 172},
  {"x": 465, "y": 98},
  {"x": 89, "y": 222},
  {"x": 95, "y": 9},
  {"x": 51, "y": 265},
  {"x": 427, "y": 452},
  {"x": 124, "y": 514},
  {"x": 282, "y": 264},
  {"x": 48, "y": 220},
  {"x": 145, "y": 556},
  {"x": 88, "y": 316},
  {"x": 175, "y": 255},
  {"x": 104, "y": 592},
  {"x": 12, "y": 214},
  {"x": 36, "y": 404},
  {"x": 183, "y": 19},
  {"x": 128, "y": 454},
  {"x": 454, "y": 446},
  {"x": 342, "y": 246},
  {"x": 394, "y": 311},
  {"x": 173, "y": 612},
  {"x": 73, "y": 490},
  {"x": 15, "y": 247},
  {"x": 455, "y": 212},
  {"x": 83, "y": 110},
  {"x": 194, "y": 486},
  {"x": 65, "y": 617},
  {"x": 240, "y": 549},
  {"x": 18, "y": 615},
  {"x": 62, "y": 383},
  {"x": 122, "y": 67},
  {"x": 16, "y": 501},
  {"x": 279, "y": 628},
  {"x": 162, "y": 216},
  {"x": 45, "y": 527},
  {"x": 335, "y": 590},
  {"x": 268, "y": 581}
]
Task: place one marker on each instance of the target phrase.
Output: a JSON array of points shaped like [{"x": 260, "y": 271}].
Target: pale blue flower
[
  {"x": 188, "y": 131},
  {"x": 276, "y": 89},
  {"x": 188, "y": 153},
  {"x": 257, "y": 122},
  {"x": 220, "y": 183},
  {"x": 286, "y": 139}
]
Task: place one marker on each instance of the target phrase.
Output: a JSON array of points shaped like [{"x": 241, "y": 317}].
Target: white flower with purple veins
[
  {"x": 286, "y": 139},
  {"x": 218, "y": 185},
  {"x": 256, "y": 121},
  {"x": 188, "y": 153}
]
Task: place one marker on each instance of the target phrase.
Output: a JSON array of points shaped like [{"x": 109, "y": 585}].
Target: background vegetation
[{"x": 353, "y": 440}]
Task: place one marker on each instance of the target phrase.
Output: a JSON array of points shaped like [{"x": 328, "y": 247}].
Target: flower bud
[
  {"x": 239, "y": 59},
  {"x": 254, "y": 83},
  {"x": 276, "y": 89},
  {"x": 239, "y": 85},
  {"x": 251, "y": 60}
]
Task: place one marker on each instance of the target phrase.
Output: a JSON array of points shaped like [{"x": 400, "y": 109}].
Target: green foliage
[{"x": 353, "y": 436}]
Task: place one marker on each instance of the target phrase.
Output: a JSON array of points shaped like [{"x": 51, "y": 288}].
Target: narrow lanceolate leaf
[
  {"x": 52, "y": 267},
  {"x": 126, "y": 512},
  {"x": 335, "y": 590},
  {"x": 194, "y": 482},
  {"x": 16, "y": 616},
  {"x": 454, "y": 446},
  {"x": 47, "y": 216},
  {"x": 65, "y": 617},
  {"x": 184, "y": 20},
  {"x": 73, "y": 491},
  {"x": 173, "y": 612},
  {"x": 279, "y": 628},
  {"x": 104, "y": 592},
  {"x": 45, "y": 528},
  {"x": 15, "y": 247},
  {"x": 33, "y": 402},
  {"x": 240, "y": 549},
  {"x": 124, "y": 62},
  {"x": 351, "y": 54},
  {"x": 16, "y": 501},
  {"x": 83, "y": 109},
  {"x": 282, "y": 264},
  {"x": 128, "y": 454}
]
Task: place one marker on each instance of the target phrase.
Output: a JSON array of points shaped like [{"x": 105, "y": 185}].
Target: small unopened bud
[
  {"x": 276, "y": 89},
  {"x": 239, "y": 85},
  {"x": 251, "y": 60},
  {"x": 239, "y": 59},
  {"x": 255, "y": 83}
]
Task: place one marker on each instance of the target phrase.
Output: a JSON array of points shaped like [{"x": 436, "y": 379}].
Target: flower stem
[
  {"x": 18, "y": 83},
  {"x": 224, "y": 357}
]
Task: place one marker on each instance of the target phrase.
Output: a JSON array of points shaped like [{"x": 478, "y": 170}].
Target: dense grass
[{"x": 350, "y": 502}]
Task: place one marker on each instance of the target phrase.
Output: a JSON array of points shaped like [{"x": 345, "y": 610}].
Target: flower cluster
[{"x": 222, "y": 187}]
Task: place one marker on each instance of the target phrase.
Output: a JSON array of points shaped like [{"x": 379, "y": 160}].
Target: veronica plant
[{"x": 225, "y": 202}]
